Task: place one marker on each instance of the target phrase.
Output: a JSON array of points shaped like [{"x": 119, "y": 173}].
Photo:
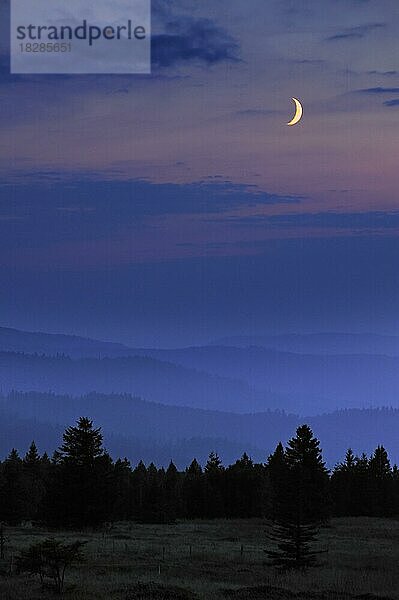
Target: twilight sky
[{"x": 178, "y": 207}]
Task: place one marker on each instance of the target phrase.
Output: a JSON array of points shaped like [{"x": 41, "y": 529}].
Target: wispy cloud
[
  {"x": 176, "y": 39},
  {"x": 190, "y": 40},
  {"x": 309, "y": 61},
  {"x": 358, "y": 32},
  {"x": 56, "y": 222},
  {"x": 391, "y": 103},
  {"x": 391, "y": 73},
  {"x": 368, "y": 221},
  {"x": 255, "y": 112},
  {"x": 379, "y": 90},
  {"x": 100, "y": 207}
]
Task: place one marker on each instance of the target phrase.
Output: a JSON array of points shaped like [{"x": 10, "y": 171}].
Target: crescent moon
[{"x": 298, "y": 112}]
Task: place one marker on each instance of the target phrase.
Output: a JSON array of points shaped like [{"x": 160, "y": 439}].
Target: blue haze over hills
[{"x": 232, "y": 395}]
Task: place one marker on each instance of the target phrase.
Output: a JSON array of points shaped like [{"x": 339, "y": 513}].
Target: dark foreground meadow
[{"x": 215, "y": 560}]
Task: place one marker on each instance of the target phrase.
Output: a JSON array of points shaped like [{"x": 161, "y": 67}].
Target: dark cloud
[
  {"x": 383, "y": 73},
  {"x": 307, "y": 61},
  {"x": 358, "y": 32},
  {"x": 176, "y": 40},
  {"x": 370, "y": 220},
  {"x": 188, "y": 40},
  {"x": 346, "y": 36},
  {"x": 52, "y": 207},
  {"x": 390, "y": 103},
  {"x": 361, "y": 221},
  {"x": 379, "y": 90},
  {"x": 255, "y": 112}
]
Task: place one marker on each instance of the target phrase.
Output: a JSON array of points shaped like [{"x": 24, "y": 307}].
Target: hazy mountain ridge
[
  {"x": 318, "y": 343},
  {"x": 14, "y": 340},
  {"x": 17, "y": 432},
  {"x": 150, "y": 378},
  {"x": 229, "y": 378},
  {"x": 29, "y": 342},
  {"x": 133, "y": 427},
  {"x": 308, "y": 383}
]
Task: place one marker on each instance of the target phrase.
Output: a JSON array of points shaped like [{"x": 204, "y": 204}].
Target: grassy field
[{"x": 208, "y": 560}]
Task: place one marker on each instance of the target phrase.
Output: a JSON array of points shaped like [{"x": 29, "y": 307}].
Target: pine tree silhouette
[
  {"x": 344, "y": 486},
  {"x": 172, "y": 493},
  {"x": 32, "y": 457},
  {"x": 34, "y": 470},
  {"x": 123, "y": 487},
  {"x": 82, "y": 486},
  {"x": 302, "y": 502},
  {"x": 82, "y": 444},
  {"x": 381, "y": 483},
  {"x": 214, "y": 480},
  {"x": 193, "y": 491},
  {"x": 13, "y": 495},
  {"x": 277, "y": 470}
]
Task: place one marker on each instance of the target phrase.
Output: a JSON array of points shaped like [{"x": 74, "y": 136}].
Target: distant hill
[
  {"x": 139, "y": 429},
  {"x": 199, "y": 399},
  {"x": 305, "y": 374},
  {"x": 150, "y": 378},
  {"x": 319, "y": 343},
  {"x": 18, "y": 432},
  {"x": 304, "y": 383},
  {"x": 13, "y": 340}
]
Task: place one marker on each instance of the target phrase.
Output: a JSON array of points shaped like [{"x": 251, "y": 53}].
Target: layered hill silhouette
[
  {"x": 154, "y": 432},
  {"x": 319, "y": 343},
  {"x": 322, "y": 375},
  {"x": 14, "y": 340},
  {"x": 150, "y": 378},
  {"x": 304, "y": 383},
  {"x": 159, "y": 404}
]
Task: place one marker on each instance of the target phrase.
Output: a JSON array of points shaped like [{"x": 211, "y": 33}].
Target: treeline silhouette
[{"x": 82, "y": 486}]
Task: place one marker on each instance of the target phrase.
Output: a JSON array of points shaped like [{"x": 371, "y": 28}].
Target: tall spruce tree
[
  {"x": 122, "y": 478},
  {"x": 34, "y": 470},
  {"x": 83, "y": 484},
  {"x": 302, "y": 503},
  {"x": 153, "y": 509},
  {"x": 193, "y": 491},
  {"x": 82, "y": 444},
  {"x": 214, "y": 487},
  {"x": 172, "y": 493},
  {"x": 32, "y": 457},
  {"x": 139, "y": 485},
  {"x": 344, "y": 486},
  {"x": 245, "y": 489},
  {"x": 277, "y": 469},
  {"x": 14, "y": 501},
  {"x": 381, "y": 483}
]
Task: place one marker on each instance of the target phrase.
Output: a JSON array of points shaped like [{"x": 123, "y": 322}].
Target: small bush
[{"x": 49, "y": 560}]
